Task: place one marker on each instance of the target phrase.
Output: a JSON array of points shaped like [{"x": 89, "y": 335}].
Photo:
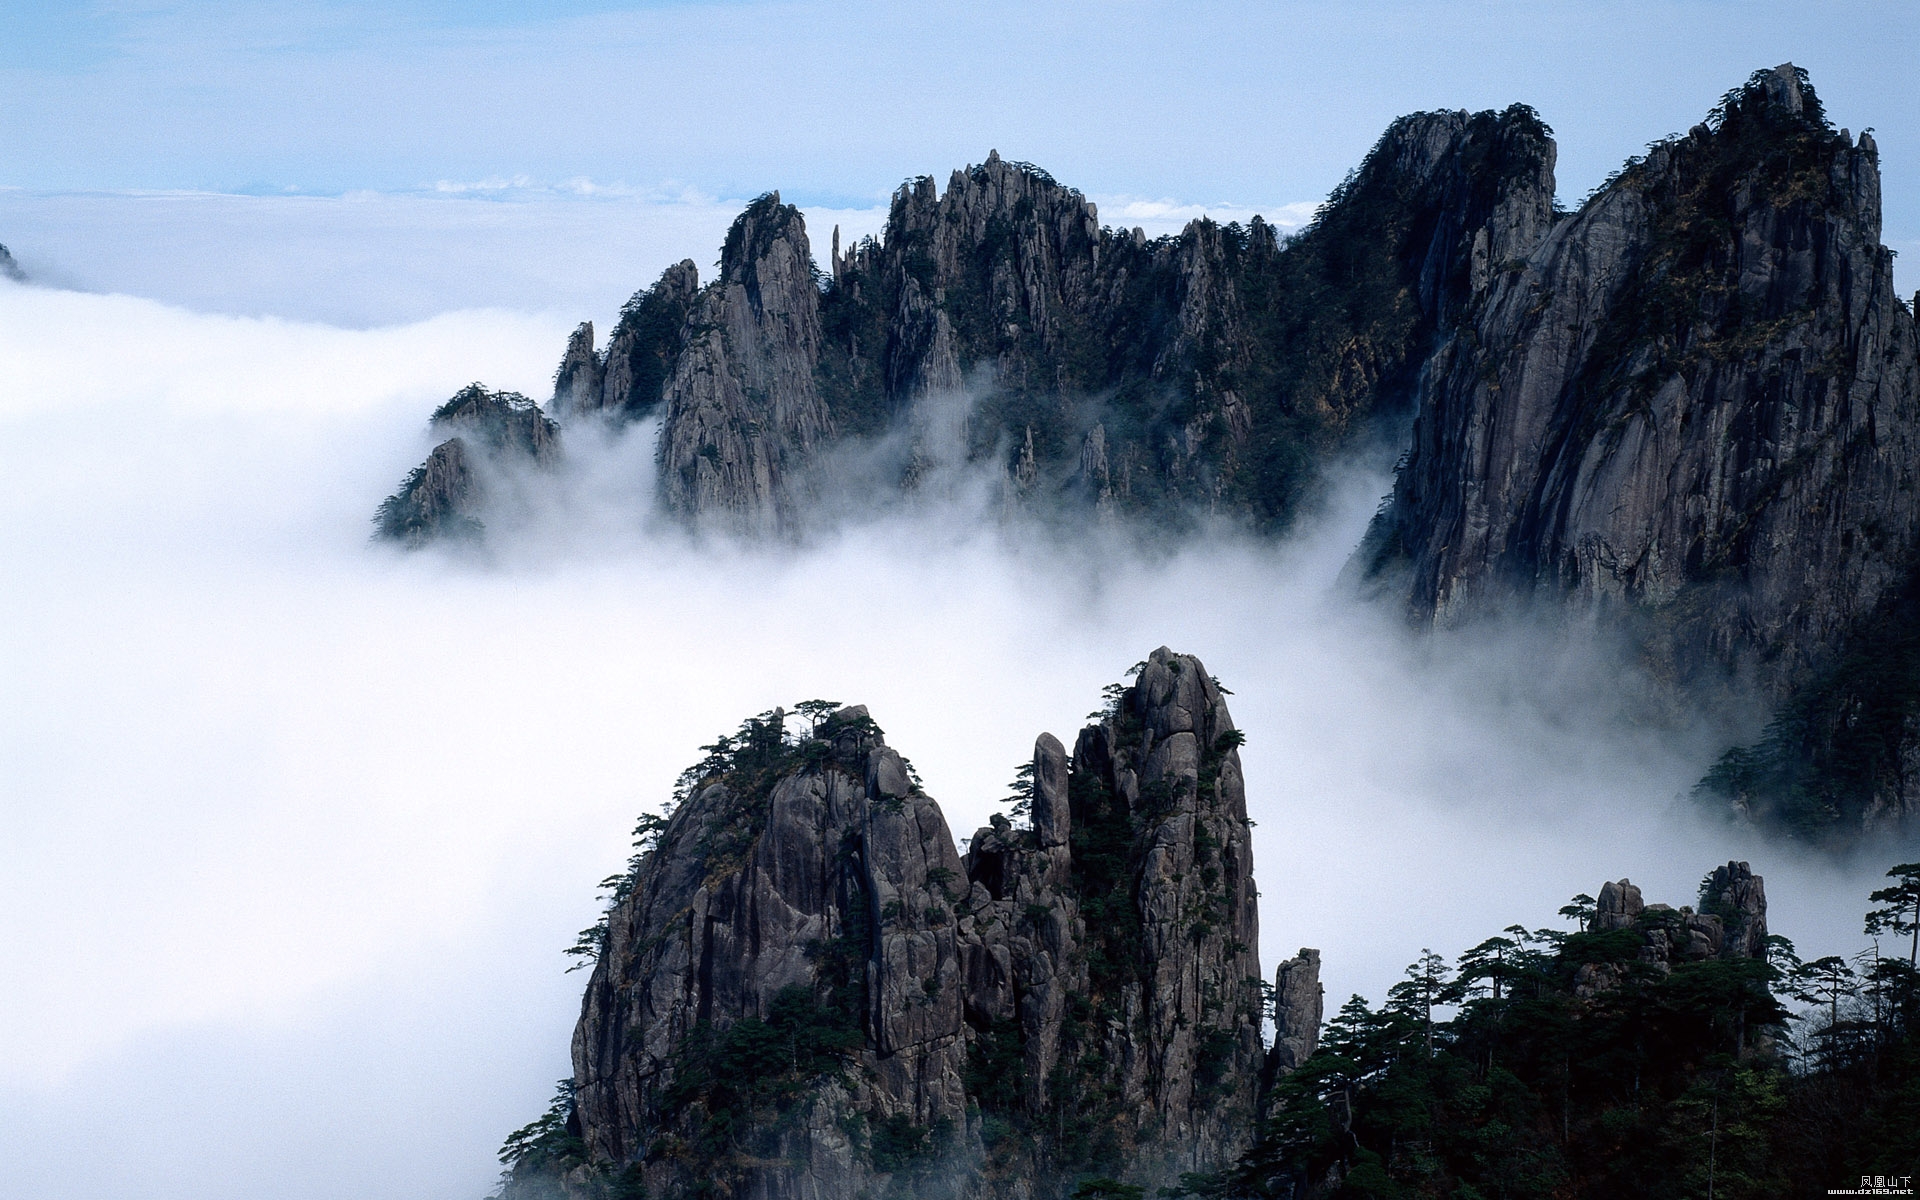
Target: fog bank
[{"x": 299, "y": 826}]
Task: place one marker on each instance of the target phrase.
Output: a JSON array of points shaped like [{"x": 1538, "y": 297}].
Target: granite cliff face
[
  {"x": 1689, "y": 411},
  {"x": 627, "y": 382},
  {"x": 1207, "y": 371},
  {"x": 1695, "y": 400},
  {"x": 742, "y": 409},
  {"x": 1693, "y": 408},
  {"x": 490, "y": 432},
  {"x": 1196, "y": 370},
  {"x": 803, "y": 989}
]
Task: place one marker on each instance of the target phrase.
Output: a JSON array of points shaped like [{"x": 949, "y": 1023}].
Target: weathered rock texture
[
  {"x": 1097, "y": 366},
  {"x": 1696, "y": 396},
  {"x": 742, "y": 409},
  {"x": 803, "y": 989},
  {"x": 1693, "y": 406},
  {"x": 627, "y": 382},
  {"x": 1298, "y": 1005},
  {"x": 1205, "y": 371},
  {"x": 442, "y": 498},
  {"x": 1730, "y": 924}
]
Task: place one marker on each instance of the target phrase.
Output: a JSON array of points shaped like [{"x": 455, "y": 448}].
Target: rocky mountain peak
[
  {"x": 1662, "y": 407},
  {"x": 641, "y": 353},
  {"x": 486, "y": 433},
  {"x": 1079, "y": 994},
  {"x": 578, "y": 382},
  {"x": 505, "y": 422},
  {"x": 1731, "y": 923},
  {"x": 743, "y": 411},
  {"x": 1786, "y": 87}
]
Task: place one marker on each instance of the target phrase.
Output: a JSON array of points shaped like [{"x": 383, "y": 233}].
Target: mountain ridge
[{"x": 1688, "y": 410}]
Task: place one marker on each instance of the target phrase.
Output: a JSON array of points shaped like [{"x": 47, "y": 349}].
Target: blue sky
[{"x": 1213, "y": 103}]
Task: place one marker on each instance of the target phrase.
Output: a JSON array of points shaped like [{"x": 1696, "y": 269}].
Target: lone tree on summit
[{"x": 1901, "y": 911}]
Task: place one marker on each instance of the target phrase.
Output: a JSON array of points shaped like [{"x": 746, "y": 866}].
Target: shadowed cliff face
[
  {"x": 1695, "y": 400},
  {"x": 1694, "y": 409},
  {"x": 803, "y": 990},
  {"x": 1207, "y": 371},
  {"x": 1210, "y": 371},
  {"x": 1689, "y": 409},
  {"x": 444, "y": 496},
  {"x": 742, "y": 411}
]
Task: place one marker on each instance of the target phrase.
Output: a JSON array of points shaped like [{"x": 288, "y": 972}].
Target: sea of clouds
[{"x": 297, "y": 826}]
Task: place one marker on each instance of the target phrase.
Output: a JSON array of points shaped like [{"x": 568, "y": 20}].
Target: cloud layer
[{"x": 298, "y": 826}]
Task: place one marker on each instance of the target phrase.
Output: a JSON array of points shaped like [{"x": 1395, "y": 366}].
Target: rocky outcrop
[
  {"x": 503, "y": 424},
  {"x": 1196, "y": 370},
  {"x": 578, "y": 382},
  {"x": 742, "y": 409},
  {"x": 1298, "y": 1006},
  {"x": 10, "y": 269},
  {"x": 1731, "y": 923},
  {"x": 492, "y": 432},
  {"x": 627, "y": 382},
  {"x": 437, "y": 500},
  {"x": 1693, "y": 409},
  {"x": 802, "y": 989},
  {"x": 1694, "y": 404},
  {"x": 1207, "y": 371},
  {"x": 1095, "y": 366},
  {"x": 1119, "y": 937}
]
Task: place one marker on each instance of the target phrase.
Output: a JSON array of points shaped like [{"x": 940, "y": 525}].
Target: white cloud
[
  {"x": 1156, "y": 217},
  {"x": 298, "y": 826}
]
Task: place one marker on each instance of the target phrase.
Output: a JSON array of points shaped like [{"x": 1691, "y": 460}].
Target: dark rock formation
[
  {"x": 1700, "y": 382},
  {"x": 578, "y": 384},
  {"x": 443, "y": 496},
  {"x": 1693, "y": 407},
  {"x": 742, "y": 409},
  {"x": 1208, "y": 370},
  {"x": 1119, "y": 937},
  {"x": 10, "y": 269},
  {"x": 627, "y": 382},
  {"x": 803, "y": 990},
  {"x": 437, "y": 500},
  {"x": 1298, "y": 1005},
  {"x": 1731, "y": 924},
  {"x": 1205, "y": 369}
]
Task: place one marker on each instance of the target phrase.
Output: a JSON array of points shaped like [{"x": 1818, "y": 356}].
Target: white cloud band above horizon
[{"x": 575, "y": 249}]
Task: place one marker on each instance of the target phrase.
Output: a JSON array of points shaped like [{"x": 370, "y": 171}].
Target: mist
[{"x": 300, "y": 825}]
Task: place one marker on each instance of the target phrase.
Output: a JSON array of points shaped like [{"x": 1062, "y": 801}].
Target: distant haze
[
  {"x": 552, "y": 120},
  {"x": 298, "y": 826}
]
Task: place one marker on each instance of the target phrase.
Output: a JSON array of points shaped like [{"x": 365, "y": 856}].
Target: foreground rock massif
[
  {"x": 804, "y": 989},
  {"x": 1689, "y": 410}
]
